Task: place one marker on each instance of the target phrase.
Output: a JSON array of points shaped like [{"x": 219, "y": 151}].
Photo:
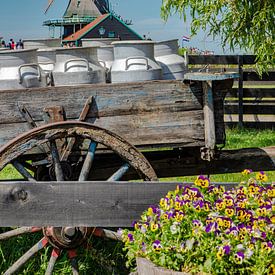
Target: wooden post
[
  {"x": 208, "y": 151},
  {"x": 240, "y": 90},
  {"x": 209, "y": 120}
]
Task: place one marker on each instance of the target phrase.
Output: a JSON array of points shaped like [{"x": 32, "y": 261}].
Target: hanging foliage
[{"x": 245, "y": 24}]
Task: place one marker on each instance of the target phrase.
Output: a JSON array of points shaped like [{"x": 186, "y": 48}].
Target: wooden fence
[{"x": 251, "y": 102}]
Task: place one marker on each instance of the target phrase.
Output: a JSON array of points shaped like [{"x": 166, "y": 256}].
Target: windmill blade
[{"x": 48, "y": 6}]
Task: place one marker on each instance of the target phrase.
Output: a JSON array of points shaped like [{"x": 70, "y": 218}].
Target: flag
[{"x": 186, "y": 38}]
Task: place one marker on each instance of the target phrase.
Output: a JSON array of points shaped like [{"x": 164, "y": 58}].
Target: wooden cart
[{"x": 77, "y": 147}]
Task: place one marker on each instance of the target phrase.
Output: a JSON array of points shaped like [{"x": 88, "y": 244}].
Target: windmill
[
  {"x": 78, "y": 14},
  {"x": 101, "y": 5}
]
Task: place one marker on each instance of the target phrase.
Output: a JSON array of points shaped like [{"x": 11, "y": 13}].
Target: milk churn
[
  {"x": 19, "y": 69},
  {"x": 92, "y": 42},
  {"x": 41, "y": 43},
  {"x": 46, "y": 58},
  {"x": 134, "y": 61},
  {"x": 77, "y": 66},
  {"x": 173, "y": 65},
  {"x": 105, "y": 56}
]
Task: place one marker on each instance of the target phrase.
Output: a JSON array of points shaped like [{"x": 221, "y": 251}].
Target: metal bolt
[{"x": 69, "y": 231}]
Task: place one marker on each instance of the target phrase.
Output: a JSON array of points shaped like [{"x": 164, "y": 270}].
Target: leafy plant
[
  {"x": 247, "y": 24},
  {"x": 205, "y": 228}
]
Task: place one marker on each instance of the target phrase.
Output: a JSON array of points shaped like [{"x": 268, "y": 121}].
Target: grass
[{"x": 107, "y": 257}]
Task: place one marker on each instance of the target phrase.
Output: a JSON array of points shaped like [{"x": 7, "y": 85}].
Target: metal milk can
[
  {"x": 77, "y": 66},
  {"x": 105, "y": 56},
  {"x": 134, "y": 61},
  {"x": 173, "y": 65},
  {"x": 19, "y": 69}
]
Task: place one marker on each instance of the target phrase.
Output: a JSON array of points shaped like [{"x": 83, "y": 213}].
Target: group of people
[{"x": 12, "y": 45}]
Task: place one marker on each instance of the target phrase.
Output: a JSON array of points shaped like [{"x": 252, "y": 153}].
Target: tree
[{"x": 247, "y": 24}]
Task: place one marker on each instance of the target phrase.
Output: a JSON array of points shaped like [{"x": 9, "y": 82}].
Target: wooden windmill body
[
  {"x": 85, "y": 19},
  {"x": 78, "y": 14}
]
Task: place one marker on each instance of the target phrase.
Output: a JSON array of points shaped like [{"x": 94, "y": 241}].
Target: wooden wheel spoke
[
  {"x": 119, "y": 173},
  {"x": 105, "y": 233},
  {"x": 56, "y": 162},
  {"x": 88, "y": 162},
  {"x": 22, "y": 170},
  {"x": 68, "y": 149},
  {"x": 24, "y": 258},
  {"x": 54, "y": 256},
  {"x": 17, "y": 232},
  {"x": 74, "y": 263}
]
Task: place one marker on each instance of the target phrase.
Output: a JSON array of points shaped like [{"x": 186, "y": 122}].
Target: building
[
  {"x": 105, "y": 26},
  {"x": 91, "y": 19}
]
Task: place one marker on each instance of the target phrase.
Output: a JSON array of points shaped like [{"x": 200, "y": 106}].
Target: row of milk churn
[{"x": 120, "y": 62}]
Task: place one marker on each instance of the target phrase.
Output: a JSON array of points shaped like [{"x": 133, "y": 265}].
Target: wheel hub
[{"x": 65, "y": 237}]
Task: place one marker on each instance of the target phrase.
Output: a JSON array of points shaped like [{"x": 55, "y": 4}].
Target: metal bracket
[
  {"x": 207, "y": 153},
  {"x": 26, "y": 115},
  {"x": 54, "y": 114}
]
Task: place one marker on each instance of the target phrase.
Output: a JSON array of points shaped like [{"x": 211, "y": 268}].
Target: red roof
[{"x": 77, "y": 35}]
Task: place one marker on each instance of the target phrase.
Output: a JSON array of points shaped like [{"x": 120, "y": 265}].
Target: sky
[{"x": 24, "y": 18}]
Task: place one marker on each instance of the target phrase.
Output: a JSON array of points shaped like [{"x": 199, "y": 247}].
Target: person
[
  {"x": 19, "y": 44},
  {"x": 3, "y": 44},
  {"x": 11, "y": 44}
]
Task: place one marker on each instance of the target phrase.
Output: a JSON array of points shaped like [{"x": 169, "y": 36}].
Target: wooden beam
[
  {"x": 219, "y": 59},
  {"x": 104, "y": 204}
]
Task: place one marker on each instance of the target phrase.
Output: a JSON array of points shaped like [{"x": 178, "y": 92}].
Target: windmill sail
[{"x": 48, "y": 6}]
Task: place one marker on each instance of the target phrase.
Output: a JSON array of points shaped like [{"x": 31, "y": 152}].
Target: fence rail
[{"x": 251, "y": 102}]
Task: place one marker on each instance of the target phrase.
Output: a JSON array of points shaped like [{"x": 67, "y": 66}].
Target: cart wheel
[{"x": 58, "y": 144}]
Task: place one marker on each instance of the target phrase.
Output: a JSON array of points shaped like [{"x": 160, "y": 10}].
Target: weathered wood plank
[
  {"x": 106, "y": 204},
  {"x": 185, "y": 128},
  {"x": 253, "y": 76},
  {"x": 153, "y": 112},
  {"x": 249, "y": 108},
  {"x": 219, "y": 59},
  {"x": 175, "y": 163},
  {"x": 109, "y": 99},
  {"x": 251, "y": 92}
]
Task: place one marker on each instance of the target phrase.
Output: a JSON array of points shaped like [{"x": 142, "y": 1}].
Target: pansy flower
[
  {"x": 219, "y": 204},
  {"x": 198, "y": 205},
  {"x": 136, "y": 225},
  {"x": 130, "y": 238},
  {"x": 178, "y": 204},
  {"x": 246, "y": 172},
  {"x": 197, "y": 223},
  {"x": 199, "y": 180},
  {"x": 228, "y": 200},
  {"x": 144, "y": 227},
  {"x": 154, "y": 226},
  {"x": 253, "y": 189},
  {"x": 229, "y": 211},
  {"x": 223, "y": 250},
  {"x": 261, "y": 176},
  {"x": 211, "y": 227},
  {"x": 202, "y": 181},
  {"x": 262, "y": 211},
  {"x": 239, "y": 257},
  {"x": 270, "y": 190},
  {"x": 267, "y": 246},
  {"x": 157, "y": 246},
  {"x": 207, "y": 206},
  {"x": 151, "y": 210}
]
